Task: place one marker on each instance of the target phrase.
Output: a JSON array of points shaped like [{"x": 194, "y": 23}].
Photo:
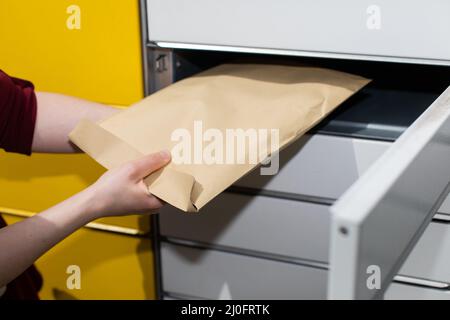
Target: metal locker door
[{"x": 379, "y": 219}]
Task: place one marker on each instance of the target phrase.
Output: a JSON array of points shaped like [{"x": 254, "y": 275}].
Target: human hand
[{"x": 121, "y": 191}]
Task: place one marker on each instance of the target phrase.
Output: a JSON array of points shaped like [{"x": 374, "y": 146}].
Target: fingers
[
  {"x": 142, "y": 167},
  {"x": 155, "y": 203},
  {"x": 152, "y": 201}
]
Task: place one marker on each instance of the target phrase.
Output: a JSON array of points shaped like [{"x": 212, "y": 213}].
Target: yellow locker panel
[
  {"x": 86, "y": 48},
  {"x": 89, "y": 49},
  {"x": 33, "y": 184},
  {"x": 109, "y": 266}
]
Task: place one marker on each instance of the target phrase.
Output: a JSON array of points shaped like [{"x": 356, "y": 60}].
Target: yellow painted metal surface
[
  {"x": 33, "y": 184},
  {"x": 112, "y": 266},
  {"x": 90, "y": 49},
  {"x": 100, "y": 60}
]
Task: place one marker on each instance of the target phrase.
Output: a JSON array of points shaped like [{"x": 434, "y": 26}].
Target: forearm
[
  {"x": 57, "y": 115},
  {"x": 117, "y": 192},
  {"x": 23, "y": 242}
]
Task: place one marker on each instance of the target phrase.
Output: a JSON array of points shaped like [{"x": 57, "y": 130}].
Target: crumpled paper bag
[{"x": 288, "y": 99}]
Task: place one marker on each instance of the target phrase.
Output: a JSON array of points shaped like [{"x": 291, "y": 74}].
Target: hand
[{"x": 121, "y": 191}]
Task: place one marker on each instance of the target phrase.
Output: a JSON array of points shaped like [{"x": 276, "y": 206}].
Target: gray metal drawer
[
  {"x": 306, "y": 167},
  {"x": 306, "y": 170},
  {"x": 351, "y": 28},
  {"x": 191, "y": 273},
  {"x": 212, "y": 274},
  {"x": 276, "y": 226},
  {"x": 291, "y": 228},
  {"x": 395, "y": 292}
]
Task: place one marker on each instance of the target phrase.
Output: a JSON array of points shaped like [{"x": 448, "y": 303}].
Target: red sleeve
[{"x": 18, "y": 109}]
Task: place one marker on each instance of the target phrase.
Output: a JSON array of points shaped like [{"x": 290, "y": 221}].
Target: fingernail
[{"x": 165, "y": 154}]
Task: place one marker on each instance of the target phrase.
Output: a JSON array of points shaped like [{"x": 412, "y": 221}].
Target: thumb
[{"x": 150, "y": 163}]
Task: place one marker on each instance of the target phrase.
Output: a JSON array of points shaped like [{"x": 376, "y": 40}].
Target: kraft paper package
[{"x": 196, "y": 118}]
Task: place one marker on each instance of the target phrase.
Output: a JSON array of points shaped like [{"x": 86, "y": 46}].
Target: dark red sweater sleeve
[{"x": 18, "y": 108}]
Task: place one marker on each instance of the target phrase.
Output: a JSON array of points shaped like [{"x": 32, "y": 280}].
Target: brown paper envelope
[{"x": 291, "y": 99}]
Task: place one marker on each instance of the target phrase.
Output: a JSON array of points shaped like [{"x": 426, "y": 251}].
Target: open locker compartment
[{"x": 382, "y": 215}]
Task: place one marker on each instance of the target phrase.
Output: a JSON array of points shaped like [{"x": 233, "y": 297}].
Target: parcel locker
[{"x": 390, "y": 142}]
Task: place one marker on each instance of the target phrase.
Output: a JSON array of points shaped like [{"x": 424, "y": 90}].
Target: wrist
[{"x": 93, "y": 207}]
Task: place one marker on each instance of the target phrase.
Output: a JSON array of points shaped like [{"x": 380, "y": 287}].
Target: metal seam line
[
  {"x": 422, "y": 282},
  {"x": 144, "y": 53},
  {"x": 280, "y": 195},
  {"x": 179, "y": 296},
  {"x": 91, "y": 225},
  {"x": 301, "y": 53},
  {"x": 246, "y": 191},
  {"x": 244, "y": 252}
]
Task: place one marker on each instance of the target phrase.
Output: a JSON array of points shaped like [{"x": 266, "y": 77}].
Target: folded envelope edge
[
  {"x": 102, "y": 145},
  {"x": 162, "y": 184},
  {"x": 111, "y": 151}
]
